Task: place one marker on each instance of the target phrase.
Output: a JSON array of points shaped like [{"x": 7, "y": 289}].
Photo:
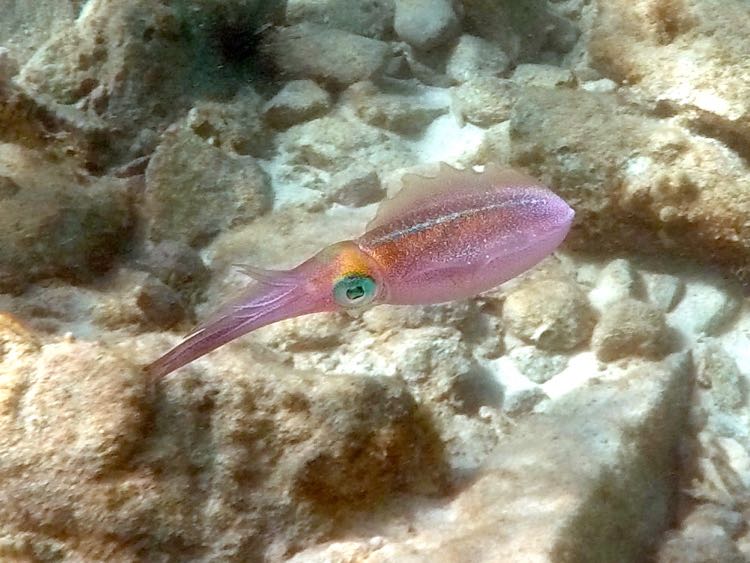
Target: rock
[
  {"x": 598, "y": 468},
  {"x": 630, "y": 328},
  {"x": 474, "y": 57},
  {"x": 234, "y": 126},
  {"x": 178, "y": 266},
  {"x": 333, "y": 143},
  {"x": 356, "y": 187},
  {"x": 25, "y": 26},
  {"x": 329, "y": 56},
  {"x": 637, "y": 178},
  {"x": 618, "y": 280},
  {"x": 538, "y": 365},
  {"x": 484, "y": 101},
  {"x": 664, "y": 290},
  {"x": 523, "y": 401},
  {"x": 195, "y": 190},
  {"x": 520, "y": 29},
  {"x": 698, "y": 545},
  {"x": 425, "y": 24},
  {"x": 160, "y": 304},
  {"x": 405, "y": 114},
  {"x": 140, "y": 66},
  {"x": 56, "y": 221},
  {"x": 553, "y": 315},
  {"x": 296, "y": 102},
  {"x": 371, "y": 19},
  {"x": 717, "y": 370},
  {"x": 543, "y": 76},
  {"x": 705, "y": 308},
  {"x": 8, "y": 65},
  {"x": 96, "y": 462},
  {"x": 602, "y": 86},
  {"x": 644, "y": 43}
]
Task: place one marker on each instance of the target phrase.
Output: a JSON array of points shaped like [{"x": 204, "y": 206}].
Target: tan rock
[
  {"x": 630, "y": 328},
  {"x": 56, "y": 221},
  {"x": 329, "y": 56},
  {"x": 554, "y": 315},
  {"x": 194, "y": 190}
]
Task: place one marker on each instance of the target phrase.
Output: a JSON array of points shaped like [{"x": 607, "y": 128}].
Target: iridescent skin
[{"x": 443, "y": 238}]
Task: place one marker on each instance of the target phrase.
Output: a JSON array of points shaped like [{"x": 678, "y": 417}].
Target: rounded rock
[
  {"x": 554, "y": 315},
  {"x": 630, "y": 328}
]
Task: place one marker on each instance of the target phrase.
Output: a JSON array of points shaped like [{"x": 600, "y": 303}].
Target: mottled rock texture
[
  {"x": 256, "y": 450},
  {"x": 56, "y": 221}
]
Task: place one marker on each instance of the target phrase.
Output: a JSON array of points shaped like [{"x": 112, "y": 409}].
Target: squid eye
[{"x": 354, "y": 291}]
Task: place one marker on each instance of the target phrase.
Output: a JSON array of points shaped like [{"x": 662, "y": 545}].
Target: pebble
[
  {"x": 296, "y": 102},
  {"x": 473, "y": 57},
  {"x": 704, "y": 310}
]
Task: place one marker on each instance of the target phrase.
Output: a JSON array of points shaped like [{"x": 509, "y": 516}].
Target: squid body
[{"x": 440, "y": 238}]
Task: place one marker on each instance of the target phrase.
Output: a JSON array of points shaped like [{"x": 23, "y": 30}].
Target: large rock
[
  {"x": 97, "y": 468},
  {"x": 55, "y": 221},
  {"x": 590, "y": 479},
  {"x": 646, "y": 43},
  {"x": 194, "y": 189},
  {"x": 636, "y": 182},
  {"x": 139, "y": 65}
]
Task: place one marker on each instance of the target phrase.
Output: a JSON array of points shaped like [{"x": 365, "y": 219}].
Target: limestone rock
[
  {"x": 642, "y": 183},
  {"x": 195, "y": 190},
  {"x": 330, "y": 56},
  {"x": 705, "y": 308},
  {"x": 56, "y": 221},
  {"x": 407, "y": 114},
  {"x": 24, "y": 26},
  {"x": 644, "y": 43},
  {"x": 618, "y": 280},
  {"x": 630, "y": 328},
  {"x": 296, "y": 102},
  {"x": 485, "y": 101},
  {"x": 139, "y": 65},
  {"x": 521, "y": 29},
  {"x": 663, "y": 290},
  {"x": 597, "y": 466},
  {"x": 425, "y": 24},
  {"x": 543, "y": 76},
  {"x": 371, "y": 19},
  {"x": 357, "y": 186},
  {"x": 474, "y": 57},
  {"x": 235, "y": 125},
  {"x": 554, "y": 315}
]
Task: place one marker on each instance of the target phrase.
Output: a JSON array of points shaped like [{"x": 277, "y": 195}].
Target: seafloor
[{"x": 594, "y": 410}]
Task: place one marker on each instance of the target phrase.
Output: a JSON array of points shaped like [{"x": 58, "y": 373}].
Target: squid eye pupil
[{"x": 356, "y": 292}]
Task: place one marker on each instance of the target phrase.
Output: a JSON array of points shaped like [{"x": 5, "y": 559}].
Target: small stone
[
  {"x": 330, "y": 56},
  {"x": 177, "y": 265},
  {"x": 704, "y": 309},
  {"x": 297, "y": 101},
  {"x": 485, "y": 101},
  {"x": 543, "y": 76},
  {"x": 523, "y": 401},
  {"x": 663, "y": 290},
  {"x": 357, "y": 186},
  {"x": 551, "y": 314},
  {"x": 718, "y": 371},
  {"x": 195, "y": 190},
  {"x": 630, "y": 328},
  {"x": 425, "y": 24},
  {"x": 474, "y": 57},
  {"x": 601, "y": 85},
  {"x": 405, "y": 114},
  {"x": 618, "y": 280},
  {"x": 160, "y": 304},
  {"x": 538, "y": 365}
]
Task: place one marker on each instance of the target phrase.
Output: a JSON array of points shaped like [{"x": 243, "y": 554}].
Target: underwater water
[{"x": 459, "y": 384}]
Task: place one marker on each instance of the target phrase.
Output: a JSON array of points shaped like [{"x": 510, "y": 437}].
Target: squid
[{"x": 443, "y": 237}]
